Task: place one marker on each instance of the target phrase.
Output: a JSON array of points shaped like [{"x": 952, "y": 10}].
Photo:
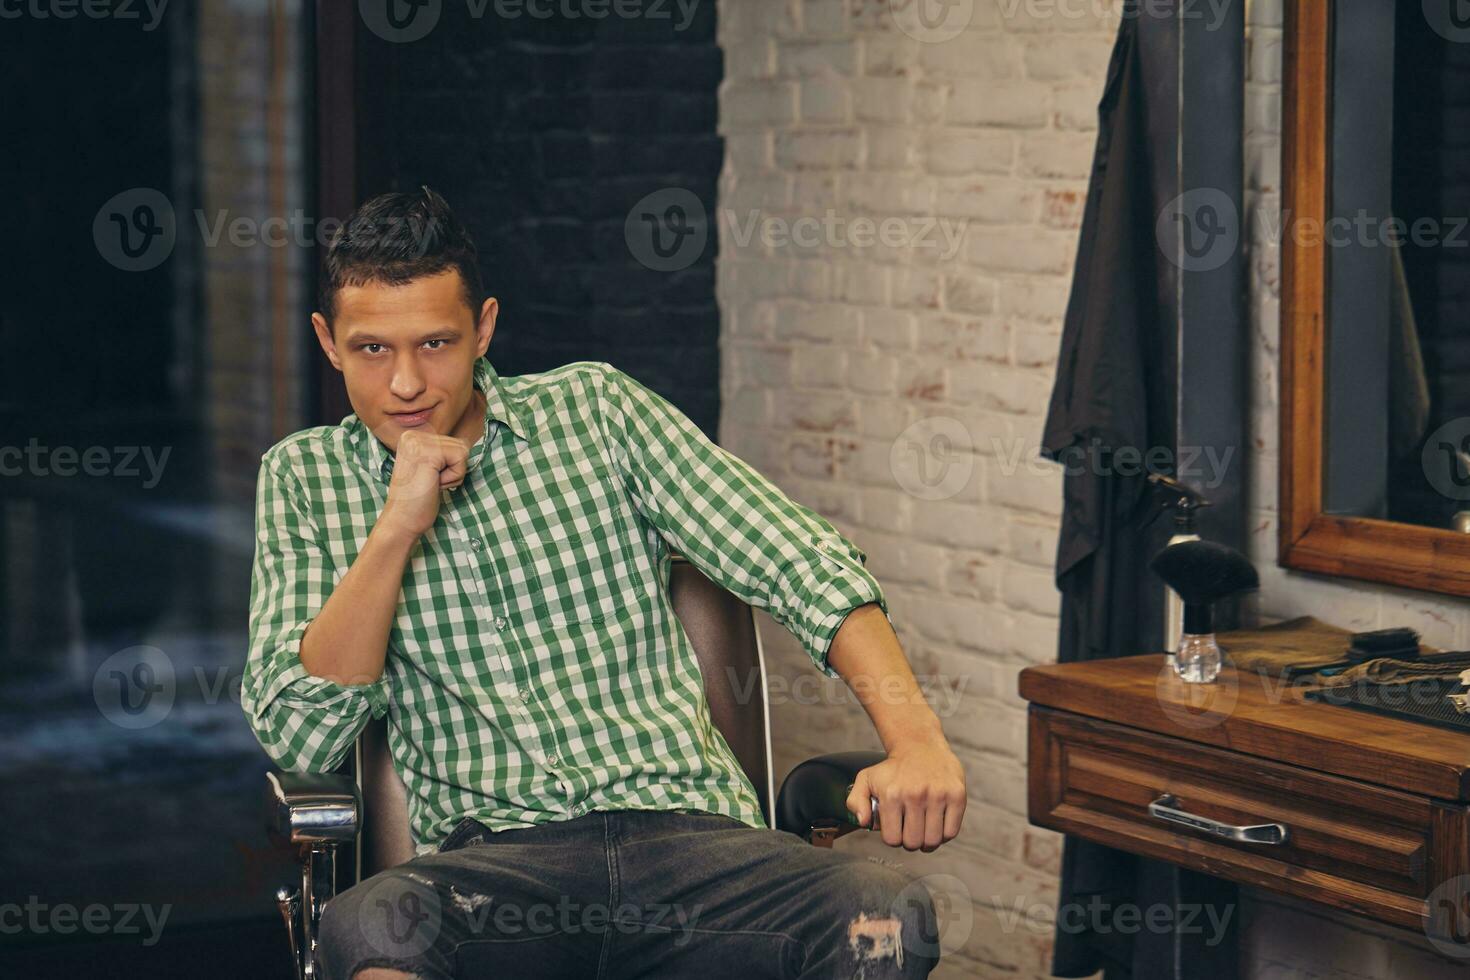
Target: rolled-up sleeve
[
  {"x": 732, "y": 523},
  {"x": 305, "y": 723}
]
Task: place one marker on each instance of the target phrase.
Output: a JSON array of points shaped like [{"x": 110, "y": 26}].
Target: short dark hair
[{"x": 396, "y": 238}]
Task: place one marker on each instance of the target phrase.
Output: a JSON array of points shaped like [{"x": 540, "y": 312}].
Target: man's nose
[{"x": 407, "y": 382}]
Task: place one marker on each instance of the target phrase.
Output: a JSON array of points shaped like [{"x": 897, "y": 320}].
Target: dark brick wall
[{"x": 542, "y": 134}]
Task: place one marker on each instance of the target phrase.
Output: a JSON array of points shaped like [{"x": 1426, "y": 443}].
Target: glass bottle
[{"x": 1198, "y": 658}]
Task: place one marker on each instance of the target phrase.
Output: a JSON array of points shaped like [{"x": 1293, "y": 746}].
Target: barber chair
[{"x": 366, "y": 810}]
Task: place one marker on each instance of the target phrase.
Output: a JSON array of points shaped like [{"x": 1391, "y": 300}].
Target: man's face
[{"x": 407, "y": 354}]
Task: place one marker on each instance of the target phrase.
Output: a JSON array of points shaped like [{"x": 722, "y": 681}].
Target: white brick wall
[
  {"x": 834, "y": 348},
  {"x": 831, "y": 350}
]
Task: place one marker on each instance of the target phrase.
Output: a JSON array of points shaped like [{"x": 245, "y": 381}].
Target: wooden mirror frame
[{"x": 1309, "y": 539}]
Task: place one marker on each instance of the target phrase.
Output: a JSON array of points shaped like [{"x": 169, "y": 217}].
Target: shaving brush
[{"x": 1203, "y": 573}]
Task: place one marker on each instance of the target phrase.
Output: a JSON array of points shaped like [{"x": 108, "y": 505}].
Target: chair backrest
[{"x": 720, "y": 626}]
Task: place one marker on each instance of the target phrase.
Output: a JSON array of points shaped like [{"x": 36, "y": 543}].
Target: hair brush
[{"x": 1203, "y": 572}]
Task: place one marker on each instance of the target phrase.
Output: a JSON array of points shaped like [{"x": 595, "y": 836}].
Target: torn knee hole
[{"x": 876, "y": 938}]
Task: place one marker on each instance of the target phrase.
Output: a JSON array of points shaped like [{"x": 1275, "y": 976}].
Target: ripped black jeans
[{"x": 633, "y": 893}]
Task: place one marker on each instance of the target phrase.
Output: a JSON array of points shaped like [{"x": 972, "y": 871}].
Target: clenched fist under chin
[{"x": 425, "y": 464}]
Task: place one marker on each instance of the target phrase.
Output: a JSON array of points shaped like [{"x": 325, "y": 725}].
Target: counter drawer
[{"x": 1352, "y": 845}]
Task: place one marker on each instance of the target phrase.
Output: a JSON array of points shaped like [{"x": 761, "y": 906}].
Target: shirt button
[
  {"x": 551, "y": 760},
  {"x": 476, "y": 543},
  {"x": 500, "y": 622},
  {"x": 524, "y": 694}
]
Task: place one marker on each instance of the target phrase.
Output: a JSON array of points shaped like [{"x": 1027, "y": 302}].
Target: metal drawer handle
[{"x": 1166, "y": 808}]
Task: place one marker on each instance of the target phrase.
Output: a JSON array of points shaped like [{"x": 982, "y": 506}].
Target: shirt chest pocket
[{"x": 574, "y": 545}]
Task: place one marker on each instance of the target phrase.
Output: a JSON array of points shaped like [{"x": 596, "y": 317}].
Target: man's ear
[
  {"x": 486, "y": 327},
  {"x": 324, "y": 337}
]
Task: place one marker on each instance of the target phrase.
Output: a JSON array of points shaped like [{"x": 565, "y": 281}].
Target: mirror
[
  {"x": 1375, "y": 416},
  {"x": 1428, "y": 445}
]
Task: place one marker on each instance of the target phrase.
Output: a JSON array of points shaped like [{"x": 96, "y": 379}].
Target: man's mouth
[{"x": 412, "y": 419}]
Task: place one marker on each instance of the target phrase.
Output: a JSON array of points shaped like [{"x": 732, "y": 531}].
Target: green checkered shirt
[{"x": 536, "y": 670}]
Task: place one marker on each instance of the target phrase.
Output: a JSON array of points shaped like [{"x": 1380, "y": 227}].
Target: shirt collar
[{"x": 500, "y": 406}]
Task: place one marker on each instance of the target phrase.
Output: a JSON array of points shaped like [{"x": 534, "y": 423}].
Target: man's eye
[
  {"x": 431, "y": 343},
  {"x": 372, "y": 348}
]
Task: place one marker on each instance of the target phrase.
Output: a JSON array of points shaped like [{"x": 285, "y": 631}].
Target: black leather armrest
[
  {"x": 312, "y": 807},
  {"x": 815, "y": 793}
]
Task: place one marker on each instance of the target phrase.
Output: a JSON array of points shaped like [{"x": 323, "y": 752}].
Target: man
[{"x": 484, "y": 560}]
